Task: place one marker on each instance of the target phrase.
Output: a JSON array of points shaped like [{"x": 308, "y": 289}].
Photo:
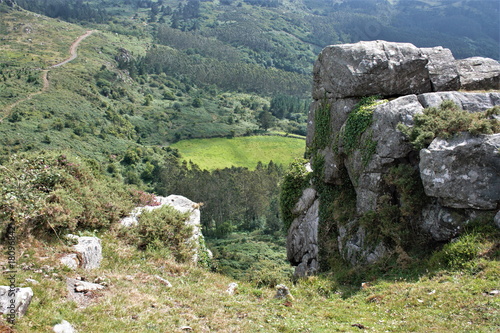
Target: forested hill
[{"x": 287, "y": 34}]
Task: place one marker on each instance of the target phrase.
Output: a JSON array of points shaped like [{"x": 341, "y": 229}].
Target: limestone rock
[
  {"x": 84, "y": 286},
  {"x": 460, "y": 175},
  {"x": 442, "y": 223},
  {"x": 371, "y": 68},
  {"x": 89, "y": 250},
  {"x": 478, "y": 73},
  {"x": 63, "y": 327},
  {"x": 70, "y": 260},
  {"x": 15, "y": 301},
  {"x": 463, "y": 172},
  {"x": 231, "y": 289},
  {"x": 472, "y": 102},
  {"x": 164, "y": 281},
  {"x": 443, "y": 72},
  {"x": 302, "y": 240},
  {"x": 282, "y": 291},
  {"x": 354, "y": 248}
]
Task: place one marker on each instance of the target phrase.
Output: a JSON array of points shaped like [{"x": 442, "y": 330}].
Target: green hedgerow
[{"x": 448, "y": 120}]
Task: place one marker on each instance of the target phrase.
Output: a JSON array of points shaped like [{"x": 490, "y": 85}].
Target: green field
[{"x": 219, "y": 153}]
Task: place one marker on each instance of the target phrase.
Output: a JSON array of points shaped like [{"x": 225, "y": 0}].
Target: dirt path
[
  {"x": 73, "y": 47},
  {"x": 45, "y": 72}
]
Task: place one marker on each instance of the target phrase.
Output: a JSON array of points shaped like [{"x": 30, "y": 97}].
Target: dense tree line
[
  {"x": 228, "y": 76},
  {"x": 233, "y": 198},
  {"x": 68, "y": 10},
  {"x": 290, "y": 107}
]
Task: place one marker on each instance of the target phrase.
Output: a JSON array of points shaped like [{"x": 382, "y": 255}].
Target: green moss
[
  {"x": 294, "y": 182},
  {"x": 358, "y": 122},
  {"x": 448, "y": 120},
  {"x": 322, "y": 123}
]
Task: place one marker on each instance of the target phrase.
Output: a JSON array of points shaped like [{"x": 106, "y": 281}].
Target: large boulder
[
  {"x": 463, "y": 172},
  {"x": 370, "y": 68},
  {"x": 478, "y": 73}
]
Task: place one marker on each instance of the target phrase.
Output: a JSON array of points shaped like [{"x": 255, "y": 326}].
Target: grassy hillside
[
  {"x": 219, "y": 153},
  {"x": 438, "y": 300}
]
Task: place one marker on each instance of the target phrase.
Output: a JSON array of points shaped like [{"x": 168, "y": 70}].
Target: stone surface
[
  {"x": 89, "y": 251},
  {"x": 354, "y": 248},
  {"x": 231, "y": 289},
  {"x": 463, "y": 172},
  {"x": 70, "y": 260},
  {"x": 302, "y": 240},
  {"x": 370, "y": 68},
  {"x": 282, "y": 292},
  {"x": 165, "y": 282},
  {"x": 443, "y": 72},
  {"x": 472, "y": 102},
  {"x": 63, "y": 327},
  {"x": 15, "y": 301},
  {"x": 497, "y": 220},
  {"x": 442, "y": 223},
  {"x": 479, "y": 73}
]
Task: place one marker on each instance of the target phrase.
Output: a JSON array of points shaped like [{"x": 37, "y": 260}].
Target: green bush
[
  {"x": 54, "y": 193},
  {"x": 448, "y": 120},
  {"x": 164, "y": 227},
  {"x": 458, "y": 254}
]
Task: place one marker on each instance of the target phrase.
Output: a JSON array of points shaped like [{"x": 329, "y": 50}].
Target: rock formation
[{"x": 459, "y": 177}]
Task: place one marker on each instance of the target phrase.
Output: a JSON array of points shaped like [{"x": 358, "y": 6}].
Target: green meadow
[{"x": 219, "y": 153}]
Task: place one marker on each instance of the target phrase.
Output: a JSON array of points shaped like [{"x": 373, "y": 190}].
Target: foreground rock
[
  {"x": 63, "y": 327},
  {"x": 14, "y": 302}
]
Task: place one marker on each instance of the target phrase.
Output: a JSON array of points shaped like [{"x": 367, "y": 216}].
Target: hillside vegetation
[{"x": 83, "y": 143}]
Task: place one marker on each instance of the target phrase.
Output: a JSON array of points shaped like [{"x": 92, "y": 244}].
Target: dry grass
[{"x": 137, "y": 301}]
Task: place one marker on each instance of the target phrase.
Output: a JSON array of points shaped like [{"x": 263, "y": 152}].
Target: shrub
[
  {"x": 165, "y": 227},
  {"x": 448, "y": 120},
  {"x": 51, "y": 193},
  {"x": 459, "y": 254}
]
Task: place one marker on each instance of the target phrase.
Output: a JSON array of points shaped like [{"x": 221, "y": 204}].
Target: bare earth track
[{"x": 45, "y": 72}]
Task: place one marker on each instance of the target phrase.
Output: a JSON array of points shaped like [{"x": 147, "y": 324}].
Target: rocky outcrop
[{"x": 459, "y": 177}]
